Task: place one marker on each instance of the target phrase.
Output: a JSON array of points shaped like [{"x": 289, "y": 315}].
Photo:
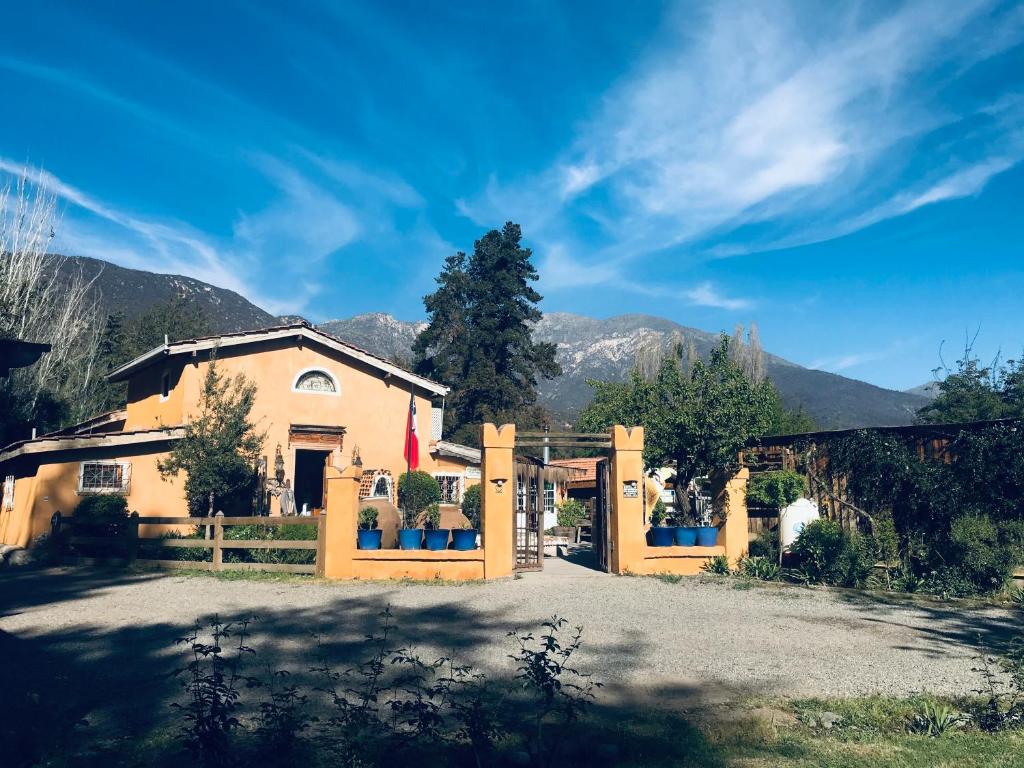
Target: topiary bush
[
  {"x": 367, "y": 518},
  {"x": 471, "y": 505},
  {"x": 416, "y": 491},
  {"x": 658, "y": 514}
]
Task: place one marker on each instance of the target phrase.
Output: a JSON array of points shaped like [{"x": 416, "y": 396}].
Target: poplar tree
[{"x": 479, "y": 339}]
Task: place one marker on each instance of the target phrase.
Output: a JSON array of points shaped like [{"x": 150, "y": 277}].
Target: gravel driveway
[{"x": 700, "y": 638}]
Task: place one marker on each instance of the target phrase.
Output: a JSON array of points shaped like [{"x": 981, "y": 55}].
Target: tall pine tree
[{"x": 479, "y": 339}]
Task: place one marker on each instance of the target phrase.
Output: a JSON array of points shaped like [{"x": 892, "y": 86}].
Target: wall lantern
[{"x": 499, "y": 484}]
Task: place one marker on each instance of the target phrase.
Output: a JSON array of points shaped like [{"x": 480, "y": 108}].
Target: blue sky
[{"x": 847, "y": 176}]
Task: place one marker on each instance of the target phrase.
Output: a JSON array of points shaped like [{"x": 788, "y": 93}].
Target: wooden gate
[
  {"x": 600, "y": 532},
  {"x": 528, "y": 534}
]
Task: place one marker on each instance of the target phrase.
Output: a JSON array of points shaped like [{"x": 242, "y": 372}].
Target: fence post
[
  {"x": 132, "y": 536},
  {"x": 321, "y": 543},
  {"x": 218, "y": 538}
]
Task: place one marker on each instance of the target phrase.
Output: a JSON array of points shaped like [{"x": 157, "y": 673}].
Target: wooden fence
[{"x": 126, "y": 540}]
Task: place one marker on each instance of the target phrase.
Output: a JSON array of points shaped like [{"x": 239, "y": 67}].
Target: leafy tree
[
  {"x": 479, "y": 338},
  {"x": 221, "y": 447},
  {"x": 696, "y": 416},
  {"x": 977, "y": 392}
]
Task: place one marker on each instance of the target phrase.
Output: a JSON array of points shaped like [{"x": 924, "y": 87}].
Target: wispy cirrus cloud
[{"x": 747, "y": 129}]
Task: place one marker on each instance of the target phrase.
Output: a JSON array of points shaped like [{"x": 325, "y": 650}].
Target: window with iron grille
[
  {"x": 8, "y": 500},
  {"x": 451, "y": 488},
  {"x": 103, "y": 477}
]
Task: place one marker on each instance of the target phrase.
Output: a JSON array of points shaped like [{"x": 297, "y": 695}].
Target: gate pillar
[
  {"x": 340, "y": 526},
  {"x": 497, "y": 499},
  {"x": 627, "y": 524}
]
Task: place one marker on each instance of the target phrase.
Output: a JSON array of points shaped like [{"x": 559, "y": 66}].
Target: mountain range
[{"x": 588, "y": 348}]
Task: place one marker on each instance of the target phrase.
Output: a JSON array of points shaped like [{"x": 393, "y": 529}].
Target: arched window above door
[{"x": 316, "y": 381}]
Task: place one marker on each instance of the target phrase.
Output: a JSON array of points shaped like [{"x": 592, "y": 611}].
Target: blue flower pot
[
  {"x": 707, "y": 536},
  {"x": 437, "y": 540},
  {"x": 370, "y": 539},
  {"x": 464, "y": 539},
  {"x": 663, "y": 536},
  {"x": 686, "y": 536},
  {"x": 410, "y": 538}
]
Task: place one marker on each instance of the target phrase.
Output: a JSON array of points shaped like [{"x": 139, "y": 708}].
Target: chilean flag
[{"x": 412, "y": 438}]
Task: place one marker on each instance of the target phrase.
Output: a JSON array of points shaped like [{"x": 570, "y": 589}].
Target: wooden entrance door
[
  {"x": 528, "y": 520},
  {"x": 600, "y": 532}
]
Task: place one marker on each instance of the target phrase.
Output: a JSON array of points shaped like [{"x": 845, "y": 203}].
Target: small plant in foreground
[
  {"x": 1003, "y": 689},
  {"x": 934, "y": 719},
  {"x": 760, "y": 568},
  {"x": 550, "y": 678},
  {"x": 718, "y": 565},
  {"x": 213, "y": 683}
]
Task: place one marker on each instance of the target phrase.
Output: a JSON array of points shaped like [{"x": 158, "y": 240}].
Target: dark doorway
[{"x": 309, "y": 478}]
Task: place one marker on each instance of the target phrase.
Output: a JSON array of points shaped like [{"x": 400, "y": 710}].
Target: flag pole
[{"x": 408, "y": 450}]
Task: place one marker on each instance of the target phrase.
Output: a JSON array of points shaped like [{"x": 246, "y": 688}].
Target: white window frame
[
  {"x": 460, "y": 487},
  {"x": 553, "y": 490},
  {"x": 126, "y": 478},
  {"x": 316, "y": 369}
]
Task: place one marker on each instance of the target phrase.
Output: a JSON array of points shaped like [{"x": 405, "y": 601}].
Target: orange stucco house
[{"x": 320, "y": 401}]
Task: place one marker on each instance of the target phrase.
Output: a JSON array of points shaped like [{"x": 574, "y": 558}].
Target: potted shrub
[
  {"x": 464, "y": 539},
  {"x": 661, "y": 535},
  {"x": 369, "y": 534},
  {"x": 416, "y": 491},
  {"x": 435, "y": 535}
]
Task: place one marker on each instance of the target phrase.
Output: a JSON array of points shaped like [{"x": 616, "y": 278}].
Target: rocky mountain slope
[
  {"x": 588, "y": 348},
  {"x": 133, "y": 291}
]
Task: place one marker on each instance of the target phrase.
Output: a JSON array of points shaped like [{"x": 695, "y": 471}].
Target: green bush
[
  {"x": 105, "y": 507},
  {"x": 776, "y": 490},
  {"x": 101, "y": 515},
  {"x": 571, "y": 513},
  {"x": 829, "y": 555},
  {"x": 977, "y": 558},
  {"x": 267, "y": 533},
  {"x": 416, "y": 491},
  {"x": 766, "y": 545},
  {"x": 471, "y": 505}
]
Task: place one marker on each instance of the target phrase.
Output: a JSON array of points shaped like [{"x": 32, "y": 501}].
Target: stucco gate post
[
  {"x": 340, "y": 529},
  {"x": 626, "y": 523},
  {"x": 498, "y": 493}
]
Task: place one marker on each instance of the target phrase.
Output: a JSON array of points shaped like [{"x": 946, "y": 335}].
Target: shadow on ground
[
  {"x": 85, "y": 684},
  {"x": 971, "y": 624}
]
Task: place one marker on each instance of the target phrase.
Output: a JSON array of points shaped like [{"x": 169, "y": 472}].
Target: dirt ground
[{"x": 101, "y": 643}]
